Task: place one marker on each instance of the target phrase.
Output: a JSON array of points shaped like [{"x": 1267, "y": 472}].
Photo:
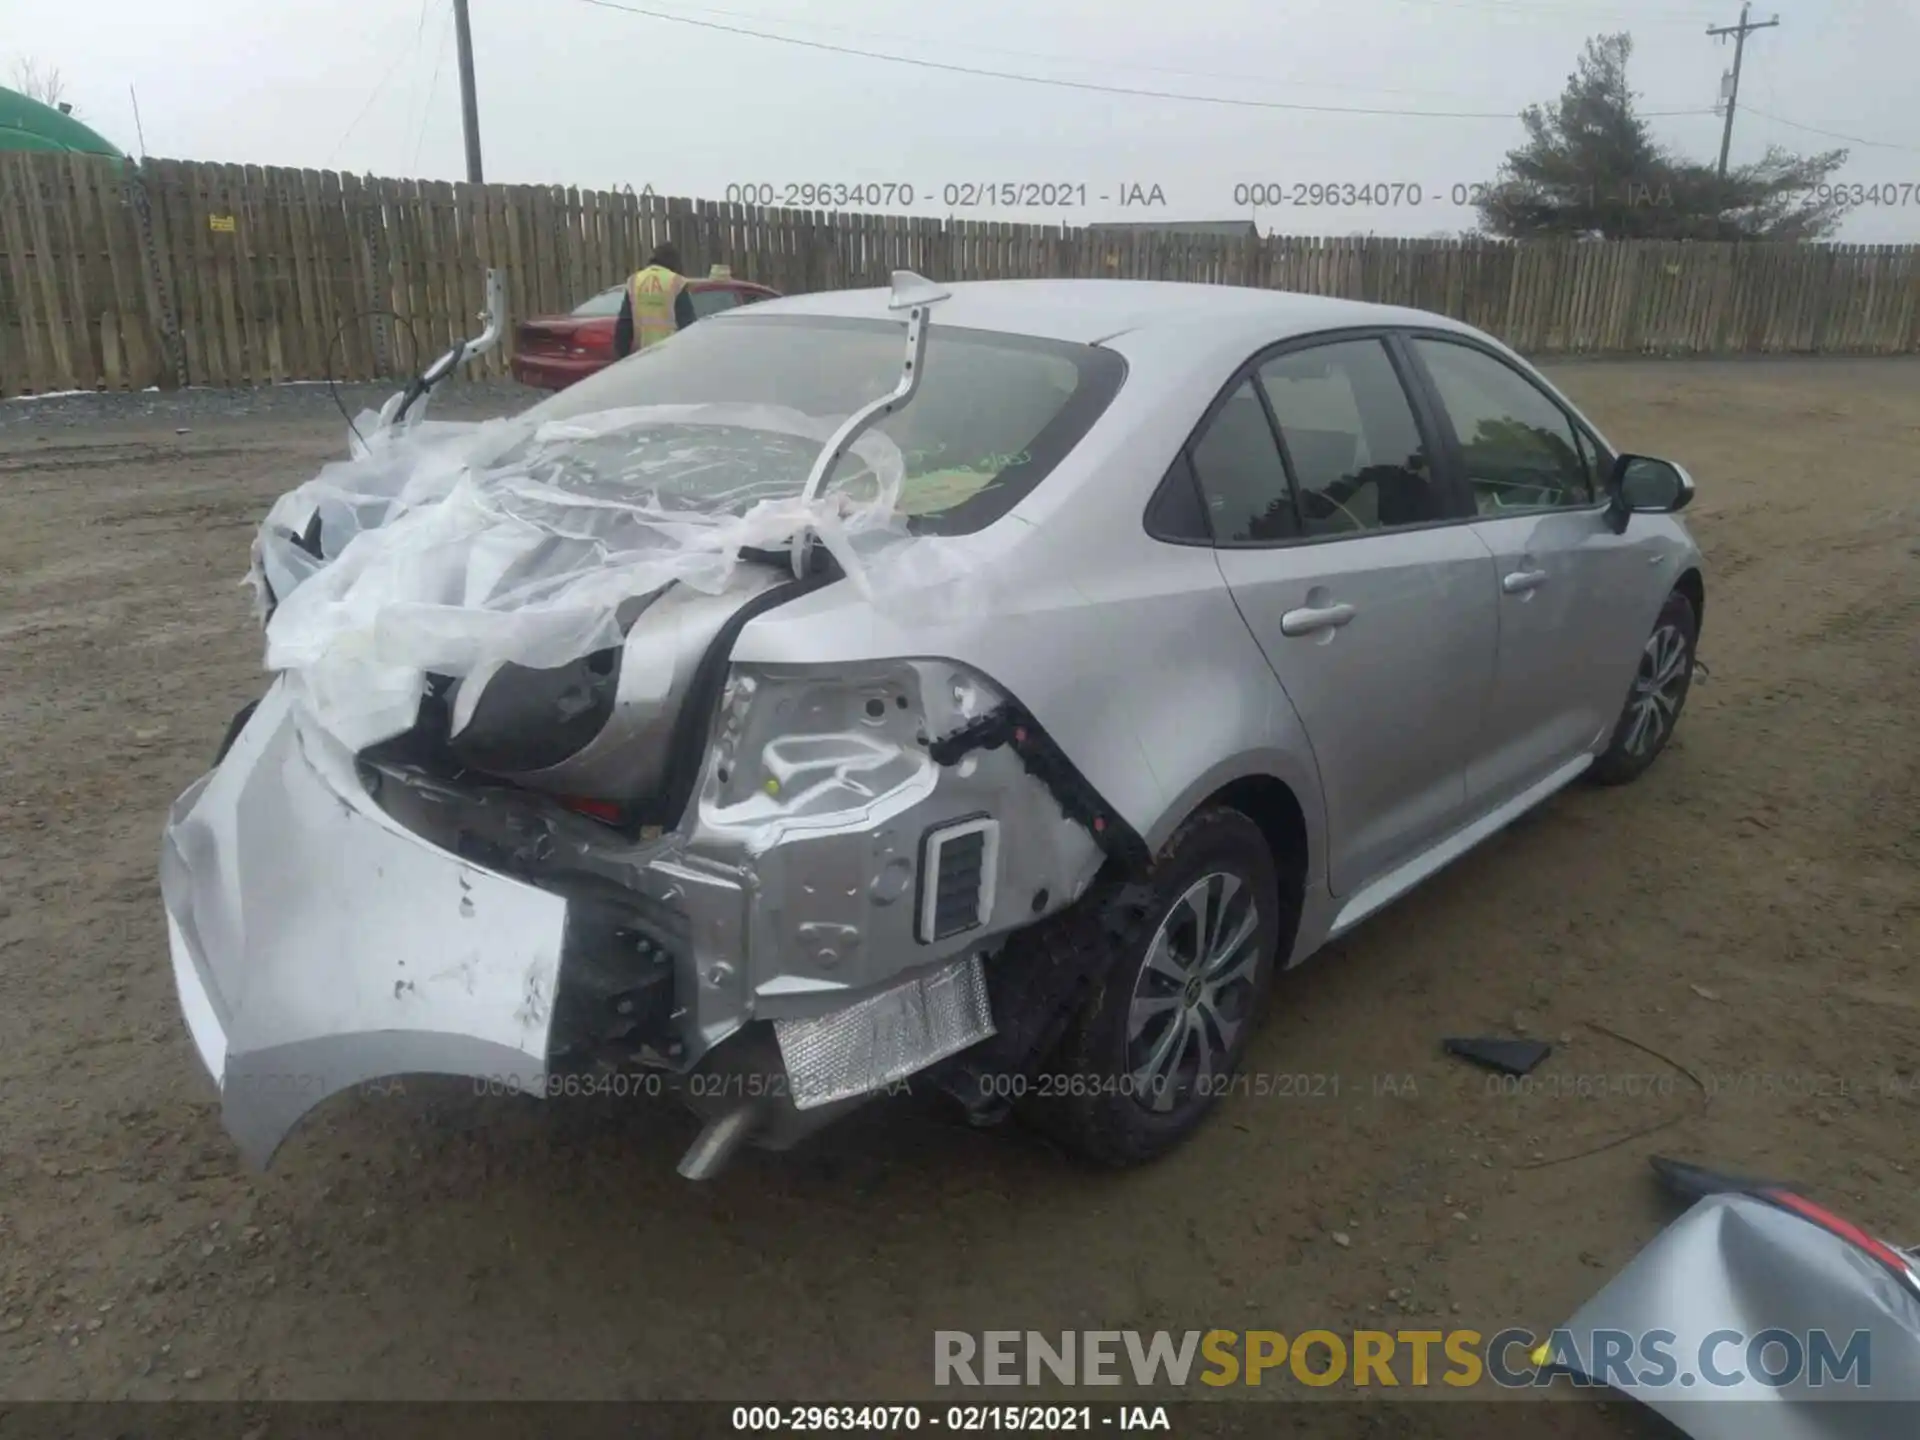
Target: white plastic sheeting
[{"x": 454, "y": 547}]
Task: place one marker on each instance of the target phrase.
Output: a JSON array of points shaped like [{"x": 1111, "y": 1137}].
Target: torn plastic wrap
[{"x": 446, "y": 549}]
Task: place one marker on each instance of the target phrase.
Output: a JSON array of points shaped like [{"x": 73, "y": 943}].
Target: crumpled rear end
[
  {"x": 317, "y": 944},
  {"x": 511, "y": 809}
]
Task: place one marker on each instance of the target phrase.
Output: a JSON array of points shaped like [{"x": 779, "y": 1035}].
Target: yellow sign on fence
[{"x": 223, "y": 223}]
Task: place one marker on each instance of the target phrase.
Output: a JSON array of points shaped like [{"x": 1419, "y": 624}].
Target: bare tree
[{"x": 44, "y": 85}]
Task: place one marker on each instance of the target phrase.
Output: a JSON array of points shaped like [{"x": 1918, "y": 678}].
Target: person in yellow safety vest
[{"x": 656, "y": 304}]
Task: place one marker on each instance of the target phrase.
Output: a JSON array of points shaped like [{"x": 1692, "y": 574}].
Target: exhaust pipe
[{"x": 718, "y": 1142}]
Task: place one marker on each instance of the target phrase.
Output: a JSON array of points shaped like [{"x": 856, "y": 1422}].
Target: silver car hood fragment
[
  {"x": 1735, "y": 1267},
  {"x": 317, "y": 944}
]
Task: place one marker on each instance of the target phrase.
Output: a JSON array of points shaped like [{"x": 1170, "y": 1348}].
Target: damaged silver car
[{"x": 991, "y": 686}]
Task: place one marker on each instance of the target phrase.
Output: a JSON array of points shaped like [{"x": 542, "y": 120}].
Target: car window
[
  {"x": 1177, "y": 511},
  {"x": 994, "y": 414},
  {"x": 1599, "y": 464},
  {"x": 1519, "y": 449},
  {"x": 1356, "y": 452},
  {"x": 1241, "y": 477},
  {"x": 602, "y": 306},
  {"x": 712, "y": 302}
]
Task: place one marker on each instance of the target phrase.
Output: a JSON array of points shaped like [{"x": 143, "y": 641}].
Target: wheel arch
[
  {"x": 1279, "y": 794},
  {"x": 1270, "y": 803},
  {"x": 1694, "y": 586}
]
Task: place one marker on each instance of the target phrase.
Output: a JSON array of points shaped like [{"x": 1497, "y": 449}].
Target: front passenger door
[
  {"x": 1568, "y": 643},
  {"x": 1370, "y": 601}
]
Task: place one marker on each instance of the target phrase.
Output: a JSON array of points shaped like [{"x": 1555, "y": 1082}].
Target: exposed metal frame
[{"x": 917, "y": 295}]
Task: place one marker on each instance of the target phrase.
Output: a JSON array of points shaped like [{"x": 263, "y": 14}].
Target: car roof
[{"x": 1090, "y": 311}]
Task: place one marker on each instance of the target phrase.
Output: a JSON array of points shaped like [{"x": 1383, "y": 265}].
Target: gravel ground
[{"x": 1749, "y": 909}]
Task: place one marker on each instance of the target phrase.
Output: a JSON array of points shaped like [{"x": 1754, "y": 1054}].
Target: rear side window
[
  {"x": 1241, "y": 477},
  {"x": 1358, "y": 459}
]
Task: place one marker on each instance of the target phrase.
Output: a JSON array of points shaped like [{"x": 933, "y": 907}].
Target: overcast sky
[{"x": 578, "y": 93}]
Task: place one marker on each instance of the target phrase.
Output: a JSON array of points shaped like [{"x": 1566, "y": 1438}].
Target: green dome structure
[{"x": 26, "y": 124}]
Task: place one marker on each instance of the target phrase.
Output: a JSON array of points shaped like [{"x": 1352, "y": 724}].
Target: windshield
[{"x": 994, "y": 412}]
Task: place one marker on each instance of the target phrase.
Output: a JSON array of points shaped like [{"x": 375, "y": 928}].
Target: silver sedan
[{"x": 1207, "y": 621}]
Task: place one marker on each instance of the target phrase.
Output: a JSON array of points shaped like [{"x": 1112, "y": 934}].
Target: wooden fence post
[{"x": 157, "y": 277}]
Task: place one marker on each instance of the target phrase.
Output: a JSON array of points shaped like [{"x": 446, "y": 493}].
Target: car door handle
[
  {"x": 1312, "y": 620},
  {"x": 1521, "y": 581}
]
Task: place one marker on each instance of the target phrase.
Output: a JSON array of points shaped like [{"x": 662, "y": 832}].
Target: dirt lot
[{"x": 1748, "y": 909}]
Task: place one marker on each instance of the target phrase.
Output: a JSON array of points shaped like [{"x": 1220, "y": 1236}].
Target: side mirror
[
  {"x": 1651, "y": 486},
  {"x": 1647, "y": 485}
]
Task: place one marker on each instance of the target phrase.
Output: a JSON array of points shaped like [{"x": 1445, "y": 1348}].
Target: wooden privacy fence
[{"x": 118, "y": 275}]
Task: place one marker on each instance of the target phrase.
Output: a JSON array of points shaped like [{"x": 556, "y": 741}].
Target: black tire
[
  {"x": 1632, "y": 749},
  {"x": 1084, "y": 1095}
]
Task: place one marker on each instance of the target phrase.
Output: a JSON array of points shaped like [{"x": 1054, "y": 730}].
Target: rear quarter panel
[{"x": 1128, "y": 650}]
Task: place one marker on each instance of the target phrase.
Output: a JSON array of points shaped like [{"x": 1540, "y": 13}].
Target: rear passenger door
[
  {"x": 1372, "y": 602},
  {"x": 1568, "y": 639}
]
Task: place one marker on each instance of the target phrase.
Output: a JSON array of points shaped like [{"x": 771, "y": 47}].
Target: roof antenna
[{"x": 916, "y": 295}]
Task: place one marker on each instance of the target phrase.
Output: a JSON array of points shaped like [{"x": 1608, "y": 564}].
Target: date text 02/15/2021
[
  {"x": 955, "y": 1419},
  {"x": 956, "y": 195}
]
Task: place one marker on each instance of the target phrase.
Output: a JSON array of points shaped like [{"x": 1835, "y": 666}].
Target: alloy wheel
[
  {"x": 1665, "y": 666},
  {"x": 1194, "y": 993}
]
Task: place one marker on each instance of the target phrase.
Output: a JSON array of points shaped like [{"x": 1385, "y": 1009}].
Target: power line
[
  {"x": 1054, "y": 58},
  {"x": 426, "y": 112},
  {"x": 1833, "y": 134},
  {"x": 1665, "y": 15},
  {"x": 379, "y": 86},
  {"x": 413, "y": 100},
  {"x": 1086, "y": 85}
]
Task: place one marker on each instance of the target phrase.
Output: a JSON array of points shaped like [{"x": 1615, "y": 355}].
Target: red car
[{"x": 553, "y": 351}]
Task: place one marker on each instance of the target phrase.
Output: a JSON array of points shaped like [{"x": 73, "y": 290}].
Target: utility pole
[
  {"x": 1739, "y": 33},
  {"x": 138, "y": 128},
  {"x": 469, "y": 106}
]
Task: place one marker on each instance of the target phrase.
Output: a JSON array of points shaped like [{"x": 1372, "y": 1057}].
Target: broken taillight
[
  {"x": 1695, "y": 1182},
  {"x": 607, "y": 811},
  {"x": 1846, "y": 1230}
]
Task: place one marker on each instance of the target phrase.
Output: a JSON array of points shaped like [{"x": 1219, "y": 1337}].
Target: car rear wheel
[
  {"x": 1658, "y": 695},
  {"x": 1159, "y": 1038}
]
